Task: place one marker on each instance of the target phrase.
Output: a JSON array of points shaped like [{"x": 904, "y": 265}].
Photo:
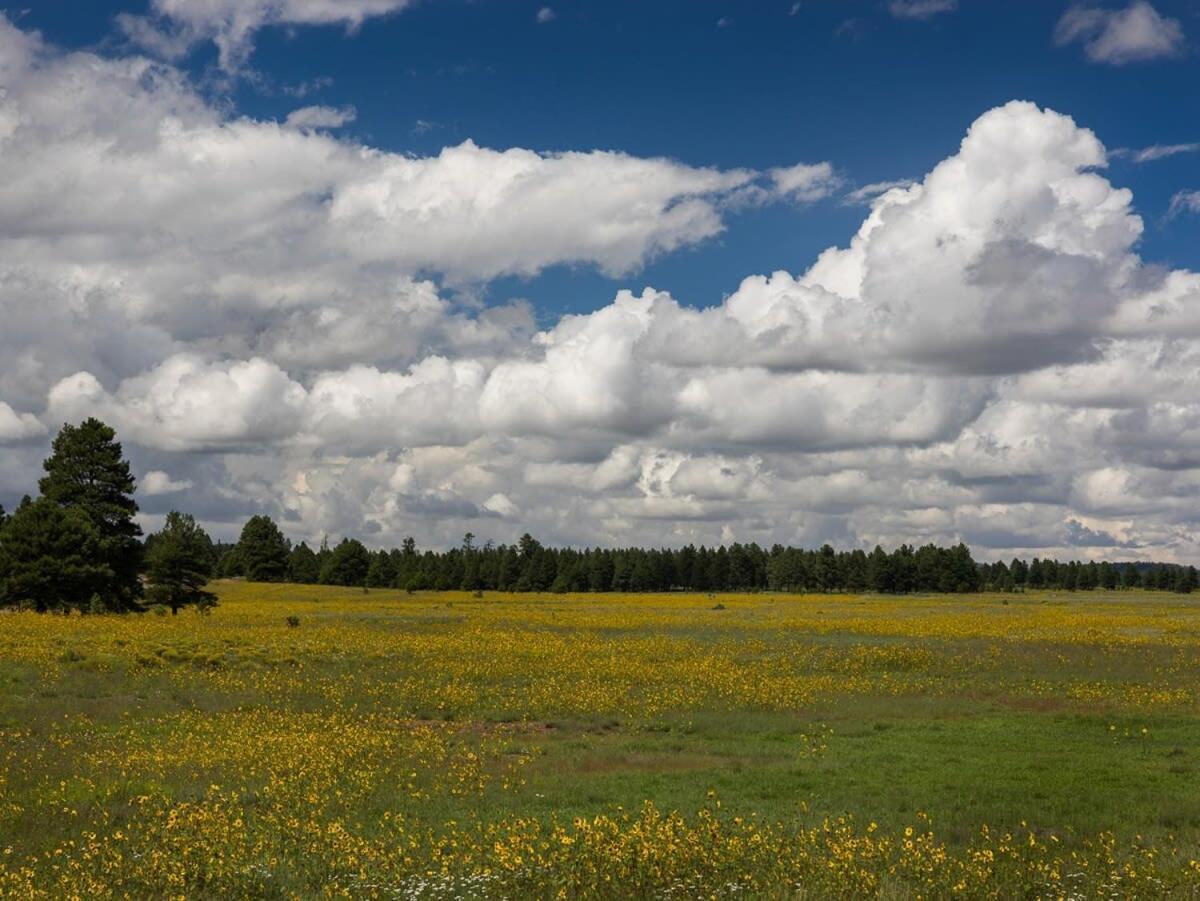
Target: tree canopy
[
  {"x": 179, "y": 562},
  {"x": 50, "y": 558},
  {"x": 263, "y": 551},
  {"x": 87, "y": 472},
  {"x": 348, "y": 564}
]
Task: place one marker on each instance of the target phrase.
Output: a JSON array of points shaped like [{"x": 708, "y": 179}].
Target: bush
[
  {"x": 158, "y": 609},
  {"x": 293, "y": 622}
]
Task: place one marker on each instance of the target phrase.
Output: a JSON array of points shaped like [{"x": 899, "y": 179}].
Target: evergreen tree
[
  {"x": 1019, "y": 571},
  {"x": 323, "y": 554},
  {"x": 50, "y": 557},
  {"x": 880, "y": 573},
  {"x": 179, "y": 564},
  {"x": 86, "y": 471},
  {"x": 1109, "y": 577},
  {"x": 348, "y": 564},
  {"x": 1087, "y": 577},
  {"x": 230, "y": 565},
  {"x": 1131, "y": 576},
  {"x": 381, "y": 573},
  {"x": 262, "y": 551},
  {"x": 471, "y": 580},
  {"x": 1185, "y": 579},
  {"x": 3, "y": 566},
  {"x": 303, "y": 566}
]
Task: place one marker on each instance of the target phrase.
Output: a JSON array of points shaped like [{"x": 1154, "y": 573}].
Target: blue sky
[
  {"x": 841, "y": 80},
  {"x": 316, "y": 259}
]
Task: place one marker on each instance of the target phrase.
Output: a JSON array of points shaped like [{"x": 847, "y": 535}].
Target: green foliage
[
  {"x": 50, "y": 558},
  {"x": 348, "y": 564},
  {"x": 262, "y": 552},
  {"x": 87, "y": 472},
  {"x": 229, "y": 563},
  {"x": 382, "y": 571},
  {"x": 179, "y": 563},
  {"x": 303, "y": 566}
]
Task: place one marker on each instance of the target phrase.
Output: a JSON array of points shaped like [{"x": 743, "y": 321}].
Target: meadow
[{"x": 305, "y": 741}]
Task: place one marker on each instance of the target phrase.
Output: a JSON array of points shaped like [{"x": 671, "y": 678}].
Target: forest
[
  {"x": 79, "y": 546},
  {"x": 264, "y": 554}
]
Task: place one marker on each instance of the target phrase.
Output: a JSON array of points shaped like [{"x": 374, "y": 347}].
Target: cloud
[
  {"x": 1136, "y": 33},
  {"x": 156, "y": 483},
  {"x": 188, "y": 403},
  {"x": 867, "y": 193},
  {"x": 545, "y": 15},
  {"x": 920, "y": 9},
  {"x": 15, "y": 427},
  {"x": 1156, "y": 152},
  {"x": 314, "y": 117},
  {"x": 601, "y": 207},
  {"x": 292, "y": 323},
  {"x": 175, "y": 25},
  {"x": 157, "y": 223},
  {"x": 805, "y": 183},
  {"x": 1184, "y": 202}
]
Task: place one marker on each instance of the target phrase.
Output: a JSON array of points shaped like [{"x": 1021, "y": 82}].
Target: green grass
[{"x": 969, "y": 711}]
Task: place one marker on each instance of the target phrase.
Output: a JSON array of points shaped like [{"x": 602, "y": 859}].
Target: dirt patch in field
[
  {"x": 1047, "y": 704},
  {"x": 636, "y": 762}
]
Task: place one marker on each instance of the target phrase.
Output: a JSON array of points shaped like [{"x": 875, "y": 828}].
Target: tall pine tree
[
  {"x": 262, "y": 551},
  {"x": 179, "y": 562},
  {"x": 87, "y": 472}
]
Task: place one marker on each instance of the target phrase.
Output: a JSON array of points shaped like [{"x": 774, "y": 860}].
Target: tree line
[
  {"x": 79, "y": 547},
  {"x": 264, "y": 554}
]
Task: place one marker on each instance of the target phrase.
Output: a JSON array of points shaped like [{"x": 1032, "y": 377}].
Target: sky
[{"x": 615, "y": 273}]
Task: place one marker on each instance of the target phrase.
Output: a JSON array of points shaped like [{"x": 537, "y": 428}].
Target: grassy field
[{"x": 388, "y": 744}]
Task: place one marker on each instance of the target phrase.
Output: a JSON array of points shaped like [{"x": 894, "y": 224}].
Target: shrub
[{"x": 293, "y": 622}]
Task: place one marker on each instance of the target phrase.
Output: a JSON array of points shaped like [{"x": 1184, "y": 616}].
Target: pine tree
[
  {"x": 303, "y": 566},
  {"x": 381, "y": 573},
  {"x": 262, "y": 551},
  {"x": 179, "y": 564},
  {"x": 347, "y": 564},
  {"x": 50, "y": 557},
  {"x": 1185, "y": 580},
  {"x": 1131, "y": 576},
  {"x": 87, "y": 472},
  {"x": 1109, "y": 578}
]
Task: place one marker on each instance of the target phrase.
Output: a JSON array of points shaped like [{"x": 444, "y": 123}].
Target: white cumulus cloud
[
  {"x": 174, "y": 25},
  {"x": 276, "y": 320},
  {"x": 156, "y": 482},
  {"x": 1135, "y": 33},
  {"x": 313, "y": 117}
]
